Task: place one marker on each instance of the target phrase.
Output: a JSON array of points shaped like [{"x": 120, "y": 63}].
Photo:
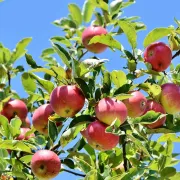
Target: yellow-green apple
[
  {"x": 67, "y": 100},
  {"x": 97, "y": 137},
  {"x": 159, "y": 55},
  {"x": 40, "y": 118},
  {"x": 13, "y": 108},
  {"x": 110, "y": 109},
  {"x": 45, "y": 164},
  {"x": 155, "y": 106},
  {"x": 169, "y": 98},
  {"x": 136, "y": 104},
  {"x": 88, "y": 34},
  {"x": 23, "y": 133}
]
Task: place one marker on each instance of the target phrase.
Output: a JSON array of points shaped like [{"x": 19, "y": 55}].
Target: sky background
[{"x": 33, "y": 18}]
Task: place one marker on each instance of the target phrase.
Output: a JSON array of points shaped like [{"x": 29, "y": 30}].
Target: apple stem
[
  {"x": 71, "y": 172},
  {"x": 176, "y": 54}
]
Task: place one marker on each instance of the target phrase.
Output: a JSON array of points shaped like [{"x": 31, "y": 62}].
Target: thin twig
[
  {"x": 176, "y": 54},
  {"x": 71, "y": 172},
  {"x": 22, "y": 162},
  {"x": 124, "y": 153},
  {"x": 83, "y": 54}
]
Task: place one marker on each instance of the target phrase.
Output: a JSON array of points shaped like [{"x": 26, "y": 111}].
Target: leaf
[
  {"x": 118, "y": 78},
  {"x": 68, "y": 162},
  {"x": 91, "y": 175},
  {"x": 106, "y": 82},
  {"x": 90, "y": 151},
  {"x": 19, "y": 51},
  {"x": 123, "y": 89},
  {"x": 26, "y": 159},
  {"x": 84, "y": 87},
  {"x": 130, "y": 32},
  {"x": 44, "y": 70},
  {"x": 70, "y": 134},
  {"x": 87, "y": 11},
  {"x": 159, "y": 130},
  {"x": 63, "y": 54},
  {"x": 156, "y": 34},
  {"x": 15, "y": 125},
  {"x": 170, "y": 136},
  {"x": 65, "y": 23},
  {"x": 76, "y": 13},
  {"x": 4, "y": 128},
  {"x": 28, "y": 82},
  {"x": 5, "y": 54},
  {"x": 59, "y": 71},
  {"x": 47, "y": 52},
  {"x": 115, "y": 7},
  {"x": 176, "y": 176},
  {"x": 123, "y": 96},
  {"x": 52, "y": 131},
  {"x": 106, "y": 39},
  {"x": 62, "y": 40},
  {"x": 31, "y": 61}
]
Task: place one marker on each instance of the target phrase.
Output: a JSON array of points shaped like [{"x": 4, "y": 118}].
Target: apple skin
[
  {"x": 13, "y": 108},
  {"x": 67, "y": 100},
  {"x": 170, "y": 96},
  {"x": 97, "y": 137},
  {"x": 45, "y": 164},
  {"x": 88, "y": 34},
  {"x": 159, "y": 55},
  {"x": 155, "y": 106},
  {"x": 22, "y": 135},
  {"x": 136, "y": 104},
  {"x": 108, "y": 109}
]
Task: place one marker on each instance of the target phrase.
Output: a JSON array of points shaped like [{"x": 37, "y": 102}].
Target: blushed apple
[
  {"x": 110, "y": 109},
  {"x": 159, "y": 55},
  {"x": 155, "y": 106},
  {"x": 67, "y": 100},
  {"x": 136, "y": 104},
  {"x": 88, "y": 34},
  {"x": 23, "y": 133},
  {"x": 45, "y": 164},
  {"x": 169, "y": 98}
]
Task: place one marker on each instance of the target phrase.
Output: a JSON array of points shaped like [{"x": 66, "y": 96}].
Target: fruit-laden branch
[
  {"x": 124, "y": 153},
  {"x": 71, "y": 172},
  {"x": 176, "y": 54}
]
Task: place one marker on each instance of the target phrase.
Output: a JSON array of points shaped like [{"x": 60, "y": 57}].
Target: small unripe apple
[
  {"x": 13, "y": 108},
  {"x": 136, "y": 104},
  {"x": 169, "y": 98},
  {"x": 155, "y": 106},
  {"x": 159, "y": 55},
  {"x": 97, "y": 137},
  {"x": 110, "y": 109},
  {"x": 45, "y": 164},
  {"x": 23, "y": 133},
  {"x": 67, "y": 100},
  {"x": 88, "y": 34}
]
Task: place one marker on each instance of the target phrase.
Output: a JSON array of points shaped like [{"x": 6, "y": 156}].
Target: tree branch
[
  {"x": 76, "y": 174},
  {"x": 83, "y": 54},
  {"x": 176, "y": 54},
  {"x": 124, "y": 153},
  {"x": 22, "y": 162}
]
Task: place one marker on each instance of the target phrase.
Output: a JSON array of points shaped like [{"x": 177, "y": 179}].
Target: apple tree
[{"x": 84, "y": 117}]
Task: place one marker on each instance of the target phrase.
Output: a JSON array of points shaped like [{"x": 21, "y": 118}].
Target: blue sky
[{"x": 33, "y": 18}]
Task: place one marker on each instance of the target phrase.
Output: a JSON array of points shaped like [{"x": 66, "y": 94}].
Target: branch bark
[
  {"x": 76, "y": 174},
  {"x": 124, "y": 153},
  {"x": 176, "y": 54}
]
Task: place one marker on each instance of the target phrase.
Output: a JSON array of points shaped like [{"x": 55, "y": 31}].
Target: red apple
[
  {"x": 26, "y": 123},
  {"x": 23, "y": 133},
  {"x": 13, "y": 108},
  {"x": 159, "y": 55},
  {"x": 97, "y": 137},
  {"x": 45, "y": 164},
  {"x": 67, "y": 100},
  {"x": 170, "y": 97},
  {"x": 109, "y": 109},
  {"x": 136, "y": 104},
  {"x": 155, "y": 106},
  {"x": 40, "y": 118},
  {"x": 88, "y": 34}
]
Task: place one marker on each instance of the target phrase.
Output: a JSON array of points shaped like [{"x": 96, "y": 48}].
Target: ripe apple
[
  {"x": 169, "y": 98},
  {"x": 159, "y": 55},
  {"x": 45, "y": 164},
  {"x": 40, "y": 118},
  {"x": 136, "y": 104},
  {"x": 13, "y": 108},
  {"x": 109, "y": 109},
  {"x": 67, "y": 100},
  {"x": 23, "y": 133},
  {"x": 97, "y": 137},
  {"x": 88, "y": 34},
  {"x": 155, "y": 106}
]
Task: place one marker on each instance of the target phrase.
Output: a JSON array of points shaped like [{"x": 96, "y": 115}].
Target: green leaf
[
  {"x": 106, "y": 82},
  {"x": 26, "y": 159},
  {"x": 106, "y": 39},
  {"x": 130, "y": 32},
  {"x": 52, "y": 131},
  {"x": 15, "y": 125},
  {"x": 159, "y": 130},
  {"x": 65, "y": 23},
  {"x": 123, "y": 89},
  {"x": 75, "y": 13},
  {"x": 87, "y": 11},
  {"x": 91, "y": 175},
  {"x": 156, "y": 34},
  {"x": 5, "y": 54},
  {"x": 70, "y": 134},
  {"x": 4, "y": 127},
  {"x": 20, "y": 50},
  {"x": 44, "y": 70},
  {"x": 63, "y": 54},
  {"x": 3, "y": 75},
  {"x": 84, "y": 87},
  {"x": 123, "y": 96},
  {"x": 28, "y": 82},
  {"x": 176, "y": 176},
  {"x": 47, "y": 52},
  {"x": 68, "y": 162},
  {"x": 90, "y": 151},
  {"x": 170, "y": 136},
  {"x": 59, "y": 71},
  {"x": 31, "y": 61},
  {"x": 62, "y": 40},
  {"x": 118, "y": 78},
  {"x": 115, "y": 7}
]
